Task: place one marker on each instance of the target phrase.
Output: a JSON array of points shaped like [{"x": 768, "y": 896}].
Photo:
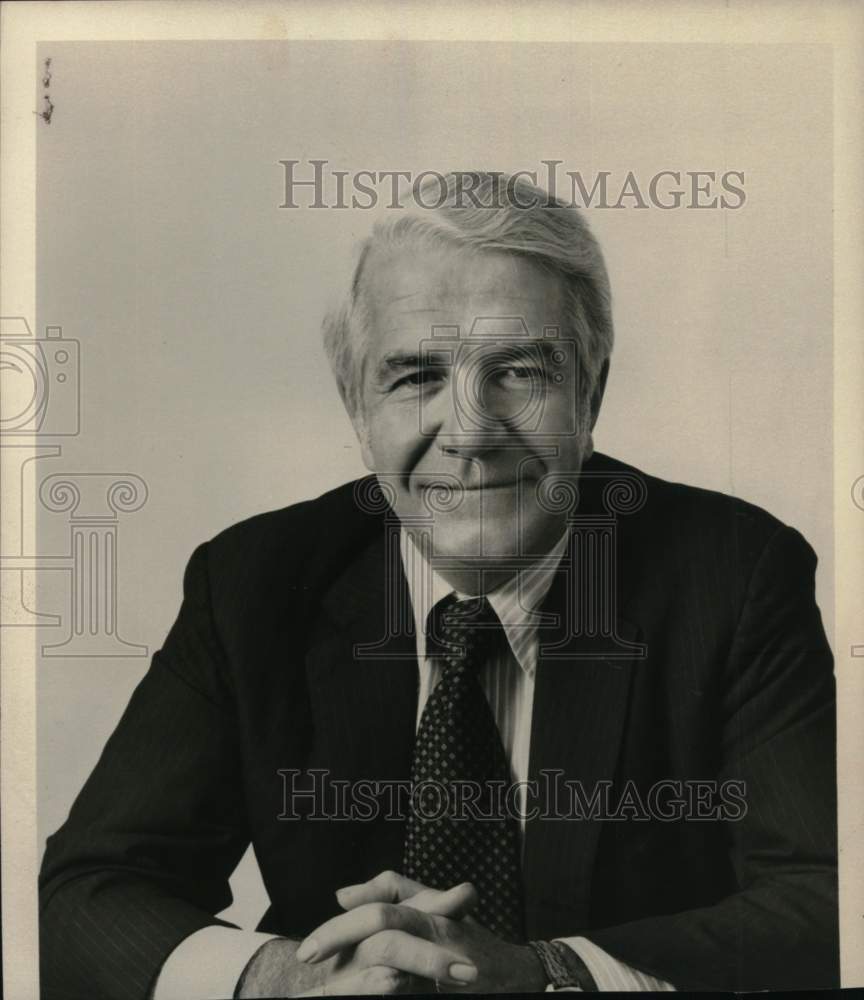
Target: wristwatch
[{"x": 563, "y": 967}]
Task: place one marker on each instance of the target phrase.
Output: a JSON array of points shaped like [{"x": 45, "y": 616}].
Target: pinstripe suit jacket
[{"x": 714, "y": 667}]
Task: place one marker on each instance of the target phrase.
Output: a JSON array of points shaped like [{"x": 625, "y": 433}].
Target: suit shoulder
[
  {"x": 312, "y": 532},
  {"x": 683, "y": 510},
  {"x": 690, "y": 544},
  {"x": 296, "y": 516}
]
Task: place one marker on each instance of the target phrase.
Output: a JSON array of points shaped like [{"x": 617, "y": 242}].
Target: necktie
[{"x": 448, "y": 840}]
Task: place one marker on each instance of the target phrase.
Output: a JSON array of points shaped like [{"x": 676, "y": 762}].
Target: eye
[
  {"x": 523, "y": 373},
  {"x": 423, "y": 376}
]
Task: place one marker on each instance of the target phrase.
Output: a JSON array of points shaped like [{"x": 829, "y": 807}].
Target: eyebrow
[
  {"x": 400, "y": 361},
  {"x": 410, "y": 360}
]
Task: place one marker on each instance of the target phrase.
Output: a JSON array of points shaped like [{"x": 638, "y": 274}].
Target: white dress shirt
[{"x": 209, "y": 962}]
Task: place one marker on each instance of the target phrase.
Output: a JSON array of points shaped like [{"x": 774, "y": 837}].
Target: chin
[
  {"x": 502, "y": 536},
  {"x": 455, "y": 537}
]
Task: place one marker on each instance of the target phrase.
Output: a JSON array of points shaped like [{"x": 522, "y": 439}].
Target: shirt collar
[{"x": 515, "y": 602}]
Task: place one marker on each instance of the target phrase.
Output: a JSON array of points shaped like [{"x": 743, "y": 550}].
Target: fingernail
[
  {"x": 462, "y": 973},
  {"x": 307, "y": 951}
]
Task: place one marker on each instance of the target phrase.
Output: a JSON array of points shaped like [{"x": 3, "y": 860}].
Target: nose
[
  {"x": 466, "y": 444},
  {"x": 466, "y": 419}
]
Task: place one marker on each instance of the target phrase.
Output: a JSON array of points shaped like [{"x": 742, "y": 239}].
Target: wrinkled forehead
[{"x": 416, "y": 292}]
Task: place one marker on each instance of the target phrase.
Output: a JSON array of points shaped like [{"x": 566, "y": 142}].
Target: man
[{"x": 626, "y": 680}]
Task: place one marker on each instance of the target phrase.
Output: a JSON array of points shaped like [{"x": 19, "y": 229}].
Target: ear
[
  {"x": 596, "y": 400},
  {"x": 366, "y": 454},
  {"x": 597, "y": 395},
  {"x": 362, "y": 432}
]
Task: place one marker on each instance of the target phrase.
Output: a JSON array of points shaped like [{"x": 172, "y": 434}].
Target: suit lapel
[
  {"x": 361, "y": 667},
  {"x": 580, "y": 704}
]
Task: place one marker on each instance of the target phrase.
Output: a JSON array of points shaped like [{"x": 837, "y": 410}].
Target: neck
[
  {"x": 473, "y": 580},
  {"x": 475, "y": 577}
]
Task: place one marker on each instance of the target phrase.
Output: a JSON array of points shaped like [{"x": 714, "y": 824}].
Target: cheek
[
  {"x": 561, "y": 411},
  {"x": 570, "y": 453},
  {"x": 566, "y": 420},
  {"x": 390, "y": 441}
]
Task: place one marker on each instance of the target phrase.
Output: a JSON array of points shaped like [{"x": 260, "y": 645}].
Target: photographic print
[{"x": 432, "y": 500}]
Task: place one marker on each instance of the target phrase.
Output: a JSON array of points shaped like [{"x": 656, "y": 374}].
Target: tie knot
[{"x": 463, "y": 632}]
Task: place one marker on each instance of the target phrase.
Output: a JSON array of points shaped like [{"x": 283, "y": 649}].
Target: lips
[
  {"x": 512, "y": 484},
  {"x": 474, "y": 487},
  {"x": 498, "y": 484}
]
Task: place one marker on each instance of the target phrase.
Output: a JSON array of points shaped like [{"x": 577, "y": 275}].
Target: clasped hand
[{"x": 396, "y": 936}]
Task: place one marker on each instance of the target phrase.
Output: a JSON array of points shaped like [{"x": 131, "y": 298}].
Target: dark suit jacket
[{"x": 258, "y": 675}]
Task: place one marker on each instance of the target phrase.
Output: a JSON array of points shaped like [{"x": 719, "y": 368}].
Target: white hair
[{"x": 506, "y": 214}]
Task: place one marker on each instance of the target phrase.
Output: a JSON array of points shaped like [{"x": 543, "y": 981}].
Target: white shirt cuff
[
  {"x": 208, "y": 964},
  {"x": 612, "y": 975}
]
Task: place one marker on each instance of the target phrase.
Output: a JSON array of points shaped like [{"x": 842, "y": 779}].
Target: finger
[
  {"x": 376, "y": 980},
  {"x": 417, "y": 956},
  {"x": 388, "y": 887},
  {"x": 354, "y": 926},
  {"x": 454, "y": 903},
  {"x": 392, "y": 887}
]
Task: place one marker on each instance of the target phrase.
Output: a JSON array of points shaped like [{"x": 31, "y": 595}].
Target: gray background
[{"x": 197, "y": 301}]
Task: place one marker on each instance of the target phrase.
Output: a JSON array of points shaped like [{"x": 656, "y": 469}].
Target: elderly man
[{"x": 506, "y": 715}]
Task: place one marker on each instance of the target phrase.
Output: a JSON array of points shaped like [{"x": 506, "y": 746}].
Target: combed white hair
[{"x": 506, "y": 214}]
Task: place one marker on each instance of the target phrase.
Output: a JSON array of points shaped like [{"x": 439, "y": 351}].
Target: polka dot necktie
[{"x": 460, "y": 773}]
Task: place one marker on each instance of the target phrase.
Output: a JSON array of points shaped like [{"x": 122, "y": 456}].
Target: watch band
[{"x": 563, "y": 967}]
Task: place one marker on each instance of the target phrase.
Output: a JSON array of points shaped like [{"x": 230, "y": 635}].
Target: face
[{"x": 490, "y": 403}]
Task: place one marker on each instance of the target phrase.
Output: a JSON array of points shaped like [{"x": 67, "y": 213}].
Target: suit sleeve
[
  {"x": 144, "y": 858},
  {"x": 779, "y": 929}
]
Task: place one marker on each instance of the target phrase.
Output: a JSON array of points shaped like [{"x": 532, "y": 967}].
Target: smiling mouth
[
  {"x": 496, "y": 486},
  {"x": 483, "y": 487}
]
